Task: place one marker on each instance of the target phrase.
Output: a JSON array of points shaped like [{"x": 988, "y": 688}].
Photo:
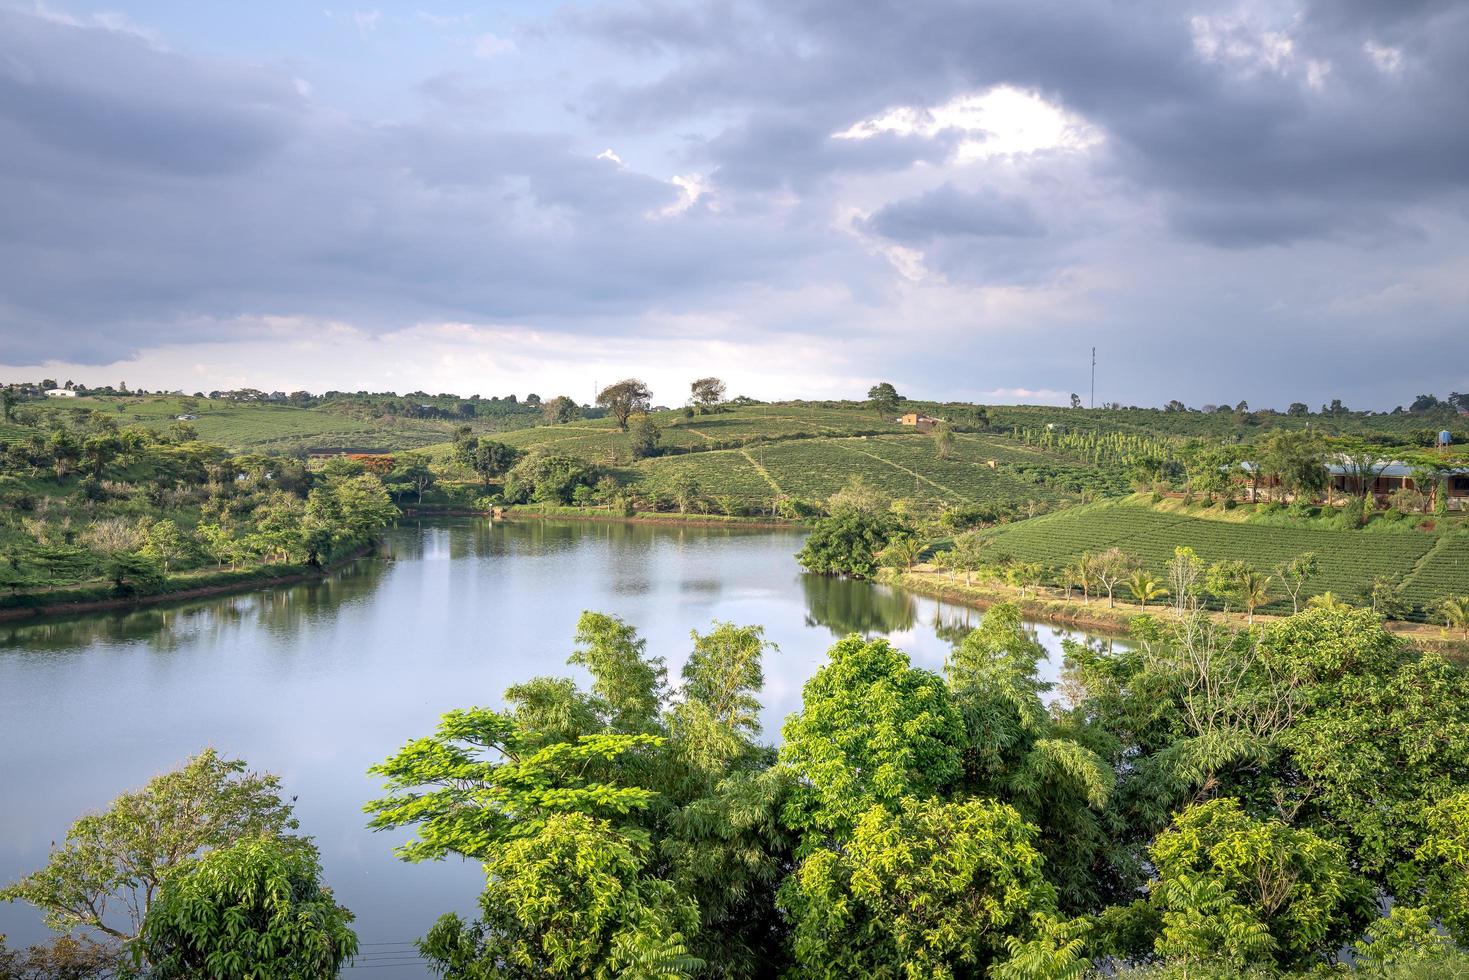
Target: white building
[{"x": 60, "y": 393}]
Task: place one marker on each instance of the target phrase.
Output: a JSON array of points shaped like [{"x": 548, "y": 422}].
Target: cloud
[
  {"x": 948, "y": 211},
  {"x": 1012, "y": 181}
]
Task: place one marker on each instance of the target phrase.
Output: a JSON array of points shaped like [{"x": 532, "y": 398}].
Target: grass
[{"x": 1430, "y": 564}]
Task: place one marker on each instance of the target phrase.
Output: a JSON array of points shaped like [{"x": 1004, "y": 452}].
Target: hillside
[
  {"x": 1429, "y": 564},
  {"x": 250, "y": 425},
  {"x": 756, "y": 454}
]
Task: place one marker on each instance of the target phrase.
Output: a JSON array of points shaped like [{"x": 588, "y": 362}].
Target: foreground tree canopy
[{"x": 1199, "y": 803}]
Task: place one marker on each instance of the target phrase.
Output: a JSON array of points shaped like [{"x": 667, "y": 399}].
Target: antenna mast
[{"x": 1094, "y": 377}]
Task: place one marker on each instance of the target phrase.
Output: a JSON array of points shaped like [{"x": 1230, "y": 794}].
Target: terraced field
[
  {"x": 1349, "y": 559},
  {"x": 1443, "y": 571},
  {"x": 902, "y": 466}
]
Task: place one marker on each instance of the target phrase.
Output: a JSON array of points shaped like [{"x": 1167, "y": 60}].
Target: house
[
  {"x": 60, "y": 393},
  {"x": 919, "y": 421},
  {"x": 1390, "y": 477}
]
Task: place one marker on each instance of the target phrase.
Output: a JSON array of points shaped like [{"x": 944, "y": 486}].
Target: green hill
[{"x": 250, "y": 425}]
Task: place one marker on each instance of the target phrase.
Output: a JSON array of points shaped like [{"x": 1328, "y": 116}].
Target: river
[{"x": 318, "y": 681}]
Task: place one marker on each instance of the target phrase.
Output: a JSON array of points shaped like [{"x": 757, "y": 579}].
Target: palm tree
[
  {"x": 1253, "y": 590},
  {"x": 1145, "y": 588},
  {"x": 1455, "y": 612},
  {"x": 902, "y": 552}
]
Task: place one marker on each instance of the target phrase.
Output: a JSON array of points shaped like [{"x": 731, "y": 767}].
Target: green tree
[
  {"x": 969, "y": 555},
  {"x": 412, "y": 471},
  {"x": 253, "y": 909},
  {"x": 134, "y": 573},
  {"x": 490, "y": 459},
  {"x": 848, "y": 541},
  {"x": 902, "y": 552},
  {"x": 1444, "y": 856},
  {"x": 573, "y": 898},
  {"x": 632, "y": 684},
  {"x": 884, "y": 397},
  {"x": 1252, "y": 892},
  {"x": 624, "y": 398},
  {"x": 1454, "y": 611},
  {"x": 108, "y": 872},
  {"x": 706, "y": 393},
  {"x": 872, "y": 729},
  {"x": 1295, "y": 573},
  {"x": 925, "y": 889},
  {"x": 642, "y": 437},
  {"x": 1145, "y": 587},
  {"x": 165, "y": 542},
  {"x": 561, "y": 410}
]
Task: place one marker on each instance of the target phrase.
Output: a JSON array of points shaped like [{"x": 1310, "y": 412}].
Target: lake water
[{"x": 319, "y": 681}]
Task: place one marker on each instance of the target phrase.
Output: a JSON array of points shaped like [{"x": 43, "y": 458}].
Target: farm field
[
  {"x": 244, "y": 425},
  {"x": 901, "y": 466},
  {"x": 1429, "y": 564}
]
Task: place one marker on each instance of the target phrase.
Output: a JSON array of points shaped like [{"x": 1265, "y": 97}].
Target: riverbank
[
  {"x": 603, "y": 514},
  {"x": 79, "y": 600},
  {"x": 1097, "y": 617}
]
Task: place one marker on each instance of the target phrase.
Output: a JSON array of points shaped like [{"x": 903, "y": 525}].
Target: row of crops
[
  {"x": 902, "y": 466},
  {"x": 1444, "y": 571},
  {"x": 1349, "y": 561}
]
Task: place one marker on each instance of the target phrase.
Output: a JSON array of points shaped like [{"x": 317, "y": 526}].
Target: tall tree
[
  {"x": 884, "y": 397},
  {"x": 706, "y": 393},
  {"x": 624, "y": 398},
  {"x": 108, "y": 872}
]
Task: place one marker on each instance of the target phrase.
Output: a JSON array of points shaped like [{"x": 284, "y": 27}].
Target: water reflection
[
  {"x": 320, "y": 680},
  {"x": 846, "y": 606}
]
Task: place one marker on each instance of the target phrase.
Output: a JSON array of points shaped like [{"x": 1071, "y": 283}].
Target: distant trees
[
  {"x": 643, "y": 435},
  {"x": 883, "y": 397},
  {"x": 486, "y": 457},
  {"x": 858, "y": 526},
  {"x": 624, "y": 398},
  {"x": 560, "y": 410},
  {"x": 1075, "y": 400},
  {"x": 1298, "y": 408},
  {"x": 706, "y": 393}
]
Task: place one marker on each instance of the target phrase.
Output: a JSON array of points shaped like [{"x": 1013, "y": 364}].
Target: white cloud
[
  {"x": 1316, "y": 72},
  {"x": 691, "y": 188},
  {"x": 1000, "y": 121},
  {"x": 1242, "y": 42},
  {"x": 1388, "y": 60},
  {"x": 610, "y": 154},
  {"x": 492, "y": 46}
]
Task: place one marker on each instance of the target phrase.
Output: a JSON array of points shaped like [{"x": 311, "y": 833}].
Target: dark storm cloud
[
  {"x": 948, "y": 211},
  {"x": 149, "y": 198},
  {"x": 1249, "y": 173},
  {"x": 1179, "y": 125},
  {"x": 107, "y": 96}
]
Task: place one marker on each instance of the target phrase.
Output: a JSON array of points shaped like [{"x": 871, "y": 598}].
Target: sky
[{"x": 1230, "y": 201}]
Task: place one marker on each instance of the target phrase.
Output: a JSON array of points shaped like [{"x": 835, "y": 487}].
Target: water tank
[{"x": 1444, "y": 438}]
